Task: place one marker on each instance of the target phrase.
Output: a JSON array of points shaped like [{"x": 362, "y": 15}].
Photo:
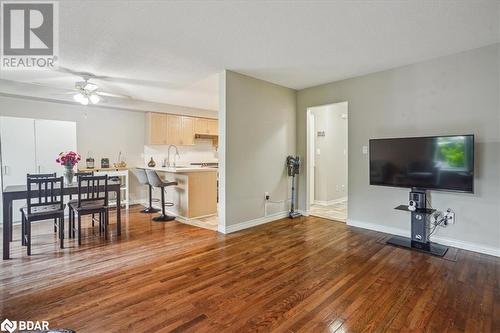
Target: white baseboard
[
  {"x": 330, "y": 202},
  {"x": 303, "y": 212},
  {"x": 252, "y": 223},
  {"x": 474, "y": 247}
]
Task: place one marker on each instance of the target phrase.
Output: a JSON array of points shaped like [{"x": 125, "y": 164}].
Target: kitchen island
[{"x": 196, "y": 193}]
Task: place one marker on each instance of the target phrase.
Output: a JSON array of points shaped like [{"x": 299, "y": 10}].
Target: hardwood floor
[{"x": 301, "y": 275}]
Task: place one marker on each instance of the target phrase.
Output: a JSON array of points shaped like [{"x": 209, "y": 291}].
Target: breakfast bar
[{"x": 195, "y": 194}]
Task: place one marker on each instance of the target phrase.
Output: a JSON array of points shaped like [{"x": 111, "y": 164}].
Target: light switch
[
  {"x": 365, "y": 150},
  {"x": 318, "y": 151}
]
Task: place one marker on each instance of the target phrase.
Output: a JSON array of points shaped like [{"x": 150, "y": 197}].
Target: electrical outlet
[
  {"x": 267, "y": 196},
  {"x": 343, "y": 187},
  {"x": 450, "y": 216}
]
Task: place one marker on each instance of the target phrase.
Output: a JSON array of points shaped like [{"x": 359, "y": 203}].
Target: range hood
[
  {"x": 206, "y": 136},
  {"x": 213, "y": 137}
]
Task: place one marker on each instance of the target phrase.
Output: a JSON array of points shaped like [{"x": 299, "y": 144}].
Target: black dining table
[{"x": 19, "y": 192}]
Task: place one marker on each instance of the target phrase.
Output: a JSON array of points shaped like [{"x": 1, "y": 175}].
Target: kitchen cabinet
[
  {"x": 174, "y": 130},
  {"x": 206, "y": 126},
  {"x": 166, "y": 129},
  {"x": 157, "y": 128},
  {"x": 187, "y": 133},
  {"x": 213, "y": 127}
]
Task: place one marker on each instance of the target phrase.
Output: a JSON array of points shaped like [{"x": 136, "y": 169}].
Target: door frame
[{"x": 310, "y": 166}]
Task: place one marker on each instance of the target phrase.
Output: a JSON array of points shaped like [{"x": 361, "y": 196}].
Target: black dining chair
[
  {"x": 92, "y": 199},
  {"x": 44, "y": 201},
  {"x": 78, "y": 175},
  {"x": 40, "y": 176}
]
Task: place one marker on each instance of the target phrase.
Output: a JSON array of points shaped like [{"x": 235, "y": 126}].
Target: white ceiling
[{"x": 171, "y": 52}]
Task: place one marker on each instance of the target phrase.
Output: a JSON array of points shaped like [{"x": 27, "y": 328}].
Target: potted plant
[{"x": 68, "y": 159}]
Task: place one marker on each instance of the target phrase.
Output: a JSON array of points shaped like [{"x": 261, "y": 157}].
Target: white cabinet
[
  {"x": 17, "y": 137},
  {"x": 32, "y": 146},
  {"x": 51, "y": 138}
]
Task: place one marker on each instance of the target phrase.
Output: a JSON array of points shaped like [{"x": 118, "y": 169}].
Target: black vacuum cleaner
[{"x": 293, "y": 168}]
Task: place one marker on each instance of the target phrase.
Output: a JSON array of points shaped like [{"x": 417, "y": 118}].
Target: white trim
[
  {"x": 303, "y": 212},
  {"x": 485, "y": 249},
  {"x": 330, "y": 202},
  {"x": 252, "y": 223}
]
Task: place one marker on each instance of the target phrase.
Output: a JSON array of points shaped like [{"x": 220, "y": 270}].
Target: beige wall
[
  {"x": 449, "y": 95},
  {"x": 258, "y": 118},
  {"x": 330, "y": 171}
]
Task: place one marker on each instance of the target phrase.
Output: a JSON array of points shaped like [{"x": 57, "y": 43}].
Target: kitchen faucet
[{"x": 168, "y": 155}]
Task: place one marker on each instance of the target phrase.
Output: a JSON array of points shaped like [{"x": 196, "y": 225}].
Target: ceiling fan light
[
  {"x": 85, "y": 100},
  {"x": 94, "y": 99},
  {"x": 78, "y": 97}
]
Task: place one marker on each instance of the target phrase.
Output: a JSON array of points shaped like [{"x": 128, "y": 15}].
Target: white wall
[
  {"x": 258, "y": 119},
  {"x": 103, "y": 131},
  {"x": 450, "y": 95},
  {"x": 331, "y": 162}
]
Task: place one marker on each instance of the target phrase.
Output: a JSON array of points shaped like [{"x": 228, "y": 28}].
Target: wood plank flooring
[{"x": 301, "y": 275}]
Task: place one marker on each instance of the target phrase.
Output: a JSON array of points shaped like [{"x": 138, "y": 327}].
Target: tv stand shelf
[{"x": 420, "y": 210}]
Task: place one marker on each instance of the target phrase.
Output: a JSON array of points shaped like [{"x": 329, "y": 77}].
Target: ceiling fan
[{"x": 88, "y": 92}]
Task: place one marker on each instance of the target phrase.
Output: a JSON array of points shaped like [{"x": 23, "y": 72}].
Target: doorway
[{"x": 327, "y": 160}]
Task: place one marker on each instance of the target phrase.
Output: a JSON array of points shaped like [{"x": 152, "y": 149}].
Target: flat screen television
[{"x": 432, "y": 163}]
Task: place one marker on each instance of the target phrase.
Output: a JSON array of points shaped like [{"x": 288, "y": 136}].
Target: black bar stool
[
  {"x": 143, "y": 180},
  {"x": 156, "y": 181}
]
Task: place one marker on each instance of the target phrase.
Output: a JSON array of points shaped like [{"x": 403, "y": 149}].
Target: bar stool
[
  {"x": 143, "y": 180},
  {"x": 156, "y": 181}
]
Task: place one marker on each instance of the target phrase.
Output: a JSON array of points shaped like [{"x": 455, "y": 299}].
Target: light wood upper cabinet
[
  {"x": 201, "y": 126},
  {"x": 174, "y": 130},
  {"x": 157, "y": 128},
  {"x": 165, "y": 129},
  {"x": 206, "y": 126},
  {"x": 187, "y": 132},
  {"x": 213, "y": 127}
]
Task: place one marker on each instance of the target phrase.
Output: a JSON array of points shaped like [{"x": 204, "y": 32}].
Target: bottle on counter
[{"x": 152, "y": 163}]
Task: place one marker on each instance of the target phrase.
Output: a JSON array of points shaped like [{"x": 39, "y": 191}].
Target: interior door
[
  {"x": 17, "y": 139},
  {"x": 53, "y": 137}
]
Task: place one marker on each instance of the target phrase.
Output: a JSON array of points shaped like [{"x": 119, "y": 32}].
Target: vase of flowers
[{"x": 68, "y": 160}]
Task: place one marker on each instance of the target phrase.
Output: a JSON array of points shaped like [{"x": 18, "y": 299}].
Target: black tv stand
[{"x": 419, "y": 240}]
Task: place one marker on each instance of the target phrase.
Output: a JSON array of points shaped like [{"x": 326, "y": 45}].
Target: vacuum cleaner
[{"x": 293, "y": 168}]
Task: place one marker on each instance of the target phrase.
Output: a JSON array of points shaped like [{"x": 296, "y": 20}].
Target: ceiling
[{"x": 171, "y": 52}]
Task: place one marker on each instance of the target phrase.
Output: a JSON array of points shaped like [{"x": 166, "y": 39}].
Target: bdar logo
[{"x": 8, "y": 326}]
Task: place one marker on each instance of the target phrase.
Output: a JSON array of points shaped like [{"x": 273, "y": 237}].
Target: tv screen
[{"x": 434, "y": 163}]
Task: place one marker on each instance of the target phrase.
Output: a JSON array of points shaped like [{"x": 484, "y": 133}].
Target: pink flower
[{"x": 69, "y": 158}]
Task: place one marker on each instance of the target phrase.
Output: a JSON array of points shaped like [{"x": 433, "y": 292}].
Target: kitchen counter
[
  {"x": 195, "y": 194},
  {"x": 181, "y": 169}
]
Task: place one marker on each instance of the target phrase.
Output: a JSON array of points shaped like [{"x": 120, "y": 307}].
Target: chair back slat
[
  {"x": 42, "y": 191},
  {"x": 92, "y": 188}
]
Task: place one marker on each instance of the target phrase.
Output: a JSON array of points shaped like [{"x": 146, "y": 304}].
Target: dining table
[{"x": 20, "y": 192}]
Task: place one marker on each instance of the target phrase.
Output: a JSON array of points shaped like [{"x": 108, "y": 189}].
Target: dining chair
[
  {"x": 42, "y": 203},
  {"x": 92, "y": 199},
  {"x": 43, "y": 175}
]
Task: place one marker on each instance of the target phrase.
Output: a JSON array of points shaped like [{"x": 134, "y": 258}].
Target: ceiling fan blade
[
  {"x": 108, "y": 94},
  {"x": 116, "y": 79}
]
